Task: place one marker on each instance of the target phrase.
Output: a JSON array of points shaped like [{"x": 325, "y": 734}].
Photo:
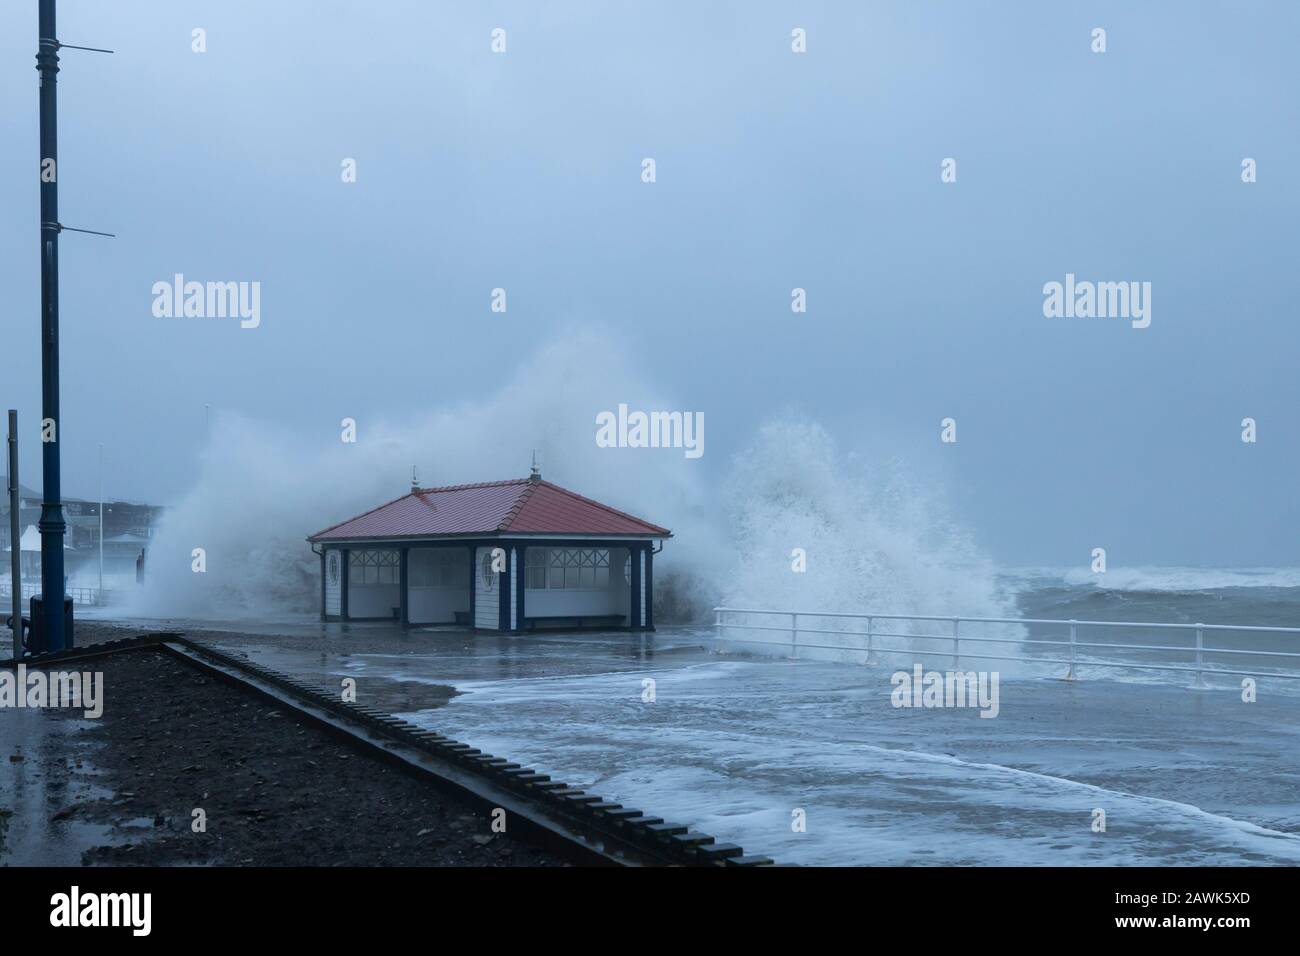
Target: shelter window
[
  {"x": 373, "y": 567},
  {"x": 568, "y": 569},
  {"x": 442, "y": 568}
]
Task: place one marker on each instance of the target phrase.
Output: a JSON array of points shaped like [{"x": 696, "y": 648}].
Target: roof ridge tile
[
  {"x": 513, "y": 513},
  {"x": 473, "y": 484}
]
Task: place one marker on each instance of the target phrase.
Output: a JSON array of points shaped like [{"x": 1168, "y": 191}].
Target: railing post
[
  {"x": 794, "y": 636},
  {"x": 1200, "y": 648},
  {"x": 1074, "y": 636},
  {"x": 870, "y": 620},
  {"x": 956, "y": 646}
]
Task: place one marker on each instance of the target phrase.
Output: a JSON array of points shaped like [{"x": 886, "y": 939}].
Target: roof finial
[
  {"x": 415, "y": 479},
  {"x": 535, "y": 475}
]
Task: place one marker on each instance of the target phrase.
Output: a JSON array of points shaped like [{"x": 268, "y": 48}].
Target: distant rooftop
[{"x": 35, "y": 494}]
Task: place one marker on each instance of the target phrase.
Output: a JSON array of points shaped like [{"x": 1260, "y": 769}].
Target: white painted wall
[
  {"x": 642, "y": 620},
  {"x": 614, "y": 599},
  {"x": 372, "y": 600},
  {"x": 543, "y": 603},
  {"x": 438, "y": 605},
  {"x": 486, "y": 602},
  {"x": 334, "y": 590}
]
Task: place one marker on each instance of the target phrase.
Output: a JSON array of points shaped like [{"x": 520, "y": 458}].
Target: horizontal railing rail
[
  {"x": 725, "y": 621},
  {"x": 86, "y": 596}
]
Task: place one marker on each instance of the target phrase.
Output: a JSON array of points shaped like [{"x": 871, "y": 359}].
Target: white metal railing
[
  {"x": 955, "y": 638},
  {"x": 83, "y": 596}
]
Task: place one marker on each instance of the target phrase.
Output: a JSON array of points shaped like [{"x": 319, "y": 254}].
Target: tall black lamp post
[{"x": 51, "y": 524}]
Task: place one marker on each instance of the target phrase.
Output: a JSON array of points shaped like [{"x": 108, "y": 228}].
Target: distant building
[
  {"x": 128, "y": 529},
  {"x": 121, "y": 552},
  {"x": 29, "y": 554},
  {"x": 498, "y": 556},
  {"x": 29, "y": 512}
]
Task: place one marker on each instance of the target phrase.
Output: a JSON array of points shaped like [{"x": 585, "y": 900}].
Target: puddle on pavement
[{"x": 46, "y": 774}]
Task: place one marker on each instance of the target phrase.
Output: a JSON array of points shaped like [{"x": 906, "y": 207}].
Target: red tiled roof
[{"x": 521, "y": 506}]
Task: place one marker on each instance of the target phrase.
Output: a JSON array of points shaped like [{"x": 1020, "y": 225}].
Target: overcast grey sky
[{"x": 775, "y": 170}]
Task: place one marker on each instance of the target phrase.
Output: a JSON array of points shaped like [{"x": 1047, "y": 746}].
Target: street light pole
[
  {"x": 99, "y": 597},
  {"x": 15, "y": 542},
  {"x": 52, "y": 526}
]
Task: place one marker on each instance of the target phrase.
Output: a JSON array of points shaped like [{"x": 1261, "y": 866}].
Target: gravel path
[{"x": 276, "y": 791}]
